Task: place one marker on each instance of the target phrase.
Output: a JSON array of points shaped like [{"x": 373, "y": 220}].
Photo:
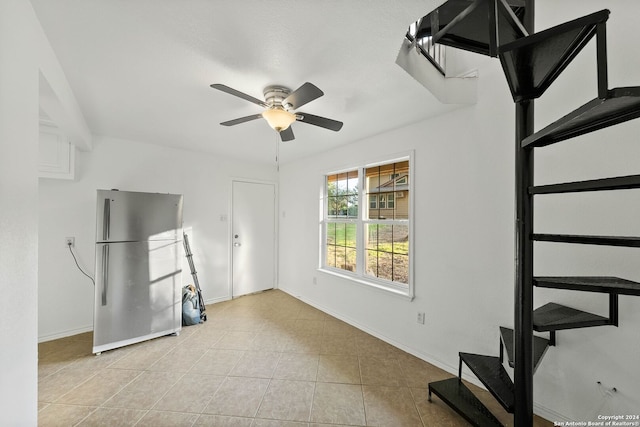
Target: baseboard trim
[
  {"x": 539, "y": 410},
  {"x": 549, "y": 414},
  {"x": 216, "y": 300},
  {"x": 64, "y": 334},
  {"x": 426, "y": 357},
  {"x": 82, "y": 330}
]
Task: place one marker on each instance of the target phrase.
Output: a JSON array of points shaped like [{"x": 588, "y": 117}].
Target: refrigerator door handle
[
  {"x": 106, "y": 219},
  {"x": 105, "y": 273}
]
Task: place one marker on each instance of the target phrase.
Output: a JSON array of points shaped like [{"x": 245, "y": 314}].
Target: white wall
[
  {"x": 464, "y": 241},
  {"x": 463, "y": 204},
  {"x": 68, "y": 209},
  {"x": 567, "y": 379},
  {"x": 18, "y": 213}
]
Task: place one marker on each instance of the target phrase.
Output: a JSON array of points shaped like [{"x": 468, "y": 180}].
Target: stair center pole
[
  {"x": 523, "y": 316},
  {"x": 523, "y": 304}
]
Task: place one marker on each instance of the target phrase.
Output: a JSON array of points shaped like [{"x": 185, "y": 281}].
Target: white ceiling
[{"x": 141, "y": 70}]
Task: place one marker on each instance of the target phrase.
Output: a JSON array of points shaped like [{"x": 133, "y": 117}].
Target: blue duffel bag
[{"x": 190, "y": 306}]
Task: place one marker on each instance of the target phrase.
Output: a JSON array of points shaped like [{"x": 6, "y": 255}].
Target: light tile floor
[{"x": 261, "y": 360}]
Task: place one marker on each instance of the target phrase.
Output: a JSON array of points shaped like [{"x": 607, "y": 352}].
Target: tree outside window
[{"x": 342, "y": 208}]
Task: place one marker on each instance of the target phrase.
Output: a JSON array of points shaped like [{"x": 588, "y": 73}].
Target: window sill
[{"x": 406, "y": 295}]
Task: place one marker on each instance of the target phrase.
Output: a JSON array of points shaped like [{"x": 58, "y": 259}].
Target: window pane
[
  {"x": 331, "y": 233},
  {"x": 342, "y": 195},
  {"x": 342, "y": 203},
  {"x": 340, "y": 235},
  {"x": 332, "y": 188},
  {"x": 387, "y": 251},
  {"x": 350, "y": 233},
  {"x": 401, "y": 168},
  {"x": 385, "y": 238},
  {"x": 332, "y": 206},
  {"x": 371, "y": 262},
  {"x": 401, "y": 239},
  {"x": 341, "y": 245},
  {"x": 373, "y": 201},
  {"x": 401, "y": 199},
  {"x": 401, "y": 191},
  {"x": 372, "y": 178},
  {"x": 371, "y": 236},
  {"x": 340, "y": 257},
  {"x": 391, "y": 183},
  {"x": 342, "y": 184},
  {"x": 386, "y": 242},
  {"x": 401, "y": 268},
  {"x": 352, "y": 194},
  {"x": 331, "y": 256},
  {"x": 385, "y": 266},
  {"x": 352, "y": 182},
  {"x": 352, "y": 206},
  {"x": 383, "y": 201},
  {"x": 346, "y": 235},
  {"x": 350, "y": 259},
  {"x": 341, "y": 206}
]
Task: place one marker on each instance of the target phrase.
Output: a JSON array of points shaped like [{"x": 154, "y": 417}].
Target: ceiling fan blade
[
  {"x": 323, "y": 122},
  {"x": 239, "y": 94},
  {"x": 241, "y": 120},
  {"x": 287, "y": 134},
  {"x": 304, "y": 94}
]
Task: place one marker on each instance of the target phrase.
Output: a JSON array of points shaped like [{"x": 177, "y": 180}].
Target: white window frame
[
  {"x": 391, "y": 200},
  {"x": 359, "y": 276},
  {"x": 382, "y": 201},
  {"x": 373, "y": 199}
]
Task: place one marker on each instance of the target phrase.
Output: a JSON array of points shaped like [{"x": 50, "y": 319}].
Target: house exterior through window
[
  {"x": 369, "y": 242},
  {"x": 386, "y": 226}
]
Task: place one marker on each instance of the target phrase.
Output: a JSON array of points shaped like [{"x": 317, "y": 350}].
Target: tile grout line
[
  {"x": 166, "y": 392},
  {"x": 362, "y": 351}
]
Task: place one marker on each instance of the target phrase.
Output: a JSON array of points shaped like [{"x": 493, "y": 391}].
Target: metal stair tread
[
  {"x": 603, "y": 184},
  {"x": 489, "y": 370},
  {"x": 602, "y": 284},
  {"x": 531, "y": 64},
  {"x": 473, "y": 31},
  {"x": 620, "y": 105},
  {"x": 627, "y": 241},
  {"x": 540, "y": 346},
  {"x": 456, "y": 395},
  {"x": 555, "y": 317}
]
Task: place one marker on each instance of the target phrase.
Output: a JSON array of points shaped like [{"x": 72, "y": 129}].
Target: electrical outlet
[
  {"x": 421, "y": 318},
  {"x": 315, "y": 281},
  {"x": 70, "y": 241}
]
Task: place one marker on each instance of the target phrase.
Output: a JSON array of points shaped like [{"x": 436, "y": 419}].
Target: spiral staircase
[{"x": 531, "y": 62}]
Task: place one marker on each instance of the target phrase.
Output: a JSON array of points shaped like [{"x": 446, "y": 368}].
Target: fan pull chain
[{"x": 277, "y": 151}]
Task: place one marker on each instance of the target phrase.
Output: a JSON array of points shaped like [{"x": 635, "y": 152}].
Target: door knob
[{"x": 236, "y": 244}]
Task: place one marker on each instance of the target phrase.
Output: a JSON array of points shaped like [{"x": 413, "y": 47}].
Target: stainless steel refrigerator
[{"x": 138, "y": 292}]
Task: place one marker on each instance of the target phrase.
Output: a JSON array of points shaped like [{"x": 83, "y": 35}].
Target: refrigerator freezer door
[
  {"x": 138, "y": 292},
  {"x": 126, "y": 216}
]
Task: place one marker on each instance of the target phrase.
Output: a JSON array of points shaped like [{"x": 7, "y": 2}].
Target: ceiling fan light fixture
[{"x": 278, "y": 118}]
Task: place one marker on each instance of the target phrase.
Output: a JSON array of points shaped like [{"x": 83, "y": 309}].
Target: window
[
  {"x": 370, "y": 244},
  {"x": 373, "y": 201},
  {"x": 342, "y": 208}
]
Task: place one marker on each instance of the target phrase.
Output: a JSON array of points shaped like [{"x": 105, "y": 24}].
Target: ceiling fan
[{"x": 280, "y": 105}]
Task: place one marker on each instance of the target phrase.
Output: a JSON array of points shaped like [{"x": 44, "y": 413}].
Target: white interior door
[{"x": 253, "y": 237}]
